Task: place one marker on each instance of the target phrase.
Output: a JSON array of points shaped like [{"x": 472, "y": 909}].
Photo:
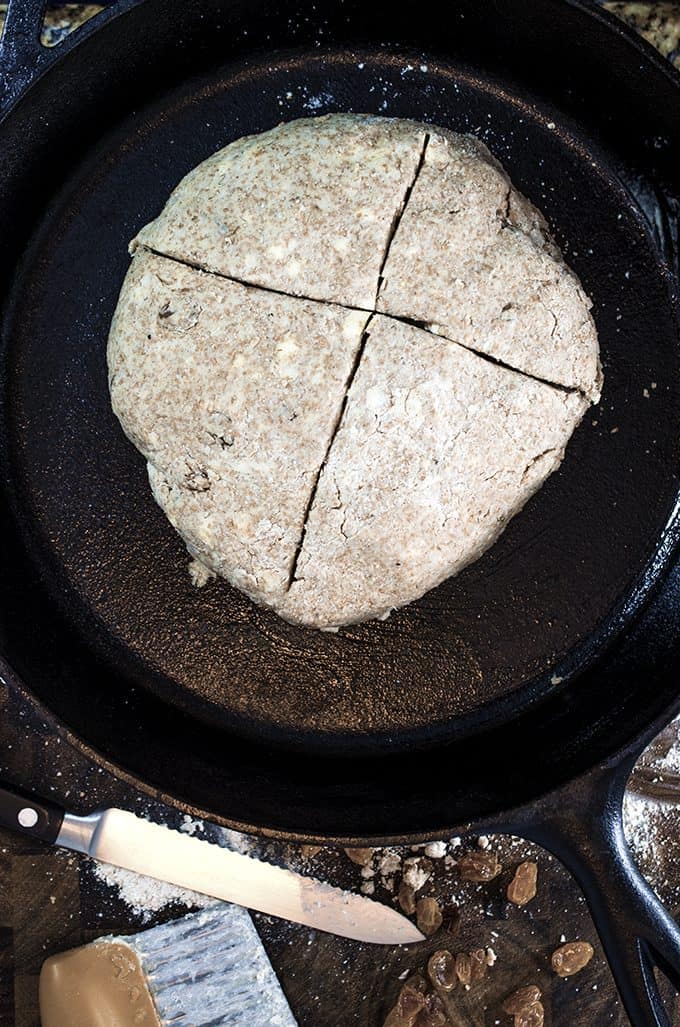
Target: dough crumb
[{"x": 200, "y": 574}]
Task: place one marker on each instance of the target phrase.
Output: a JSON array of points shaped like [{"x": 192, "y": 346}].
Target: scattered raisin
[
  {"x": 478, "y": 964},
  {"x": 463, "y": 968},
  {"x": 197, "y": 479},
  {"x": 362, "y": 857},
  {"x": 532, "y": 1017},
  {"x": 522, "y": 888},
  {"x": 407, "y": 898},
  {"x": 572, "y": 957},
  {"x": 428, "y": 916},
  {"x": 479, "y": 866},
  {"x": 441, "y": 969},
  {"x": 521, "y": 999},
  {"x": 408, "y": 1005}
]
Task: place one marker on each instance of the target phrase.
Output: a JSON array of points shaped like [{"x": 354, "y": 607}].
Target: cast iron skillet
[{"x": 555, "y": 653}]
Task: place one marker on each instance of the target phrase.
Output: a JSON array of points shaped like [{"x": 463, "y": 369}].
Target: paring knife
[{"x": 118, "y": 837}]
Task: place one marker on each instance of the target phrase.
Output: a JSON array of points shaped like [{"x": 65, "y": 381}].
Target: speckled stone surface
[{"x": 659, "y": 23}]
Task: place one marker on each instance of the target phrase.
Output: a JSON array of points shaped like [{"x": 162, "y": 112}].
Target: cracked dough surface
[
  {"x": 232, "y": 395},
  {"x": 437, "y": 450},
  {"x": 475, "y": 260},
  {"x": 306, "y": 208},
  {"x": 331, "y": 461}
]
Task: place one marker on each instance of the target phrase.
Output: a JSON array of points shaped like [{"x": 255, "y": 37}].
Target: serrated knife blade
[{"x": 118, "y": 837}]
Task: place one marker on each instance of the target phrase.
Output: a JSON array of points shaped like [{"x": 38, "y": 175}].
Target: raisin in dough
[
  {"x": 232, "y": 395},
  {"x": 306, "y": 208},
  {"x": 328, "y": 458},
  {"x": 437, "y": 450},
  {"x": 474, "y": 260}
]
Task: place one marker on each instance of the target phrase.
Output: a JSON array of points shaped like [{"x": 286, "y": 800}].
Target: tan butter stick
[
  {"x": 204, "y": 969},
  {"x": 99, "y": 985}
]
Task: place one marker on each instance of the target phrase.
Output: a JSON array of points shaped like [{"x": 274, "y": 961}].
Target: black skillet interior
[{"x": 201, "y": 694}]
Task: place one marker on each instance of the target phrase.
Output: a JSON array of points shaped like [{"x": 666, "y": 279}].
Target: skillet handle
[
  {"x": 23, "y": 58},
  {"x": 582, "y": 825},
  {"x": 21, "y": 55}
]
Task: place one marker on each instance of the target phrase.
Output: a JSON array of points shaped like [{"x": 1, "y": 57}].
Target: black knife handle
[{"x": 29, "y": 815}]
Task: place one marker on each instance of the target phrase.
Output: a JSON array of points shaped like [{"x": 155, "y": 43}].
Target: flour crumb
[
  {"x": 389, "y": 863},
  {"x": 189, "y": 825},
  {"x": 415, "y": 874},
  {"x": 435, "y": 850},
  {"x": 317, "y": 103}
]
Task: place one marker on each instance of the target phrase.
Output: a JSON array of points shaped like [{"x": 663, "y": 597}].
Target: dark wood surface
[{"x": 50, "y": 900}]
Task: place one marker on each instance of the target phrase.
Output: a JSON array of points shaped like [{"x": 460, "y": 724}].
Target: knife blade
[{"x": 118, "y": 837}]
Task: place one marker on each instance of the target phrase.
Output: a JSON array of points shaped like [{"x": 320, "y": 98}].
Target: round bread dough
[{"x": 311, "y": 443}]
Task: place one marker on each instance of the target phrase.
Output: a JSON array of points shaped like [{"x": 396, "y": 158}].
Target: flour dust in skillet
[{"x": 509, "y": 625}]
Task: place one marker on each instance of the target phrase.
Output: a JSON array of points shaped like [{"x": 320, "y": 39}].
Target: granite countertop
[
  {"x": 657, "y": 20},
  {"x": 52, "y": 900}
]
